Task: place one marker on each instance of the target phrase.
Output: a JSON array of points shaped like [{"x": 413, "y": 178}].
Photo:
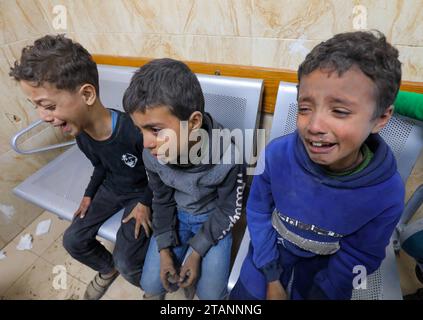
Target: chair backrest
[
  {"x": 233, "y": 102},
  {"x": 404, "y": 136}
]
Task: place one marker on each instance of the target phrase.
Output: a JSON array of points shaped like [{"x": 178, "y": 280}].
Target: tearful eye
[
  {"x": 303, "y": 109},
  {"x": 341, "y": 113},
  {"x": 51, "y": 107}
]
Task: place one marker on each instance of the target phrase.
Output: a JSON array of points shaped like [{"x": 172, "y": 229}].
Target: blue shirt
[{"x": 354, "y": 215}]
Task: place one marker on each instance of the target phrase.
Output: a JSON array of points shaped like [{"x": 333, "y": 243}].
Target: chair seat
[{"x": 59, "y": 187}]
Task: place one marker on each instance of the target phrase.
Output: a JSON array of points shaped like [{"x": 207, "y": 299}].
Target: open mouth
[
  {"x": 320, "y": 146},
  {"x": 64, "y": 126}
]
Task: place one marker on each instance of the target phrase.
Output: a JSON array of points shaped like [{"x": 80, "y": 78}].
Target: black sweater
[{"x": 117, "y": 161}]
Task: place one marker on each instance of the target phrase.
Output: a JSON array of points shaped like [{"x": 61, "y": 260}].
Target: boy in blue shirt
[
  {"x": 60, "y": 78},
  {"x": 330, "y": 195}
]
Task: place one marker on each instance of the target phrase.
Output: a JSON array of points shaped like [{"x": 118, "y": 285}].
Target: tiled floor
[{"x": 31, "y": 274}]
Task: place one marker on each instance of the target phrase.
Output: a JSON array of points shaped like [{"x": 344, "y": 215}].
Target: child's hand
[
  {"x": 190, "y": 270},
  {"x": 167, "y": 269},
  {"x": 142, "y": 216},
  {"x": 83, "y": 207},
  {"x": 275, "y": 291}
]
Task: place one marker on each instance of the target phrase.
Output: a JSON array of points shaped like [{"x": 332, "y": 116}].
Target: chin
[
  {"x": 74, "y": 133},
  {"x": 321, "y": 162}
]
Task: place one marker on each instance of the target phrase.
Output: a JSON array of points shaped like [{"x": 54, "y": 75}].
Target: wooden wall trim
[{"x": 271, "y": 76}]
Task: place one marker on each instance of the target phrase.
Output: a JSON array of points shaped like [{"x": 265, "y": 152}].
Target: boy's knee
[
  {"x": 75, "y": 242},
  {"x": 71, "y": 242}
]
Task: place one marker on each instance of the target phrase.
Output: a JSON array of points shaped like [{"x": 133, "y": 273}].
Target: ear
[
  {"x": 88, "y": 93},
  {"x": 195, "y": 120},
  {"x": 382, "y": 120}
]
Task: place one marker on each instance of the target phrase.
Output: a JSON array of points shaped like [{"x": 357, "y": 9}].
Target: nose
[
  {"x": 149, "y": 140},
  {"x": 317, "y": 123},
  {"x": 45, "y": 115}
]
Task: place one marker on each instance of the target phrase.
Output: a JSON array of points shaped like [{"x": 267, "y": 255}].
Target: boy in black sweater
[{"x": 60, "y": 78}]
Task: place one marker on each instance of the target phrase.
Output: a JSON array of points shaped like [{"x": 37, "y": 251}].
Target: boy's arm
[
  {"x": 147, "y": 195},
  {"x": 164, "y": 212},
  {"x": 96, "y": 180},
  {"x": 360, "y": 252},
  {"x": 227, "y": 212},
  {"x": 146, "y": 198},
  {"x": 259, "y": 221},
  {"x": 99, "y": 173}
]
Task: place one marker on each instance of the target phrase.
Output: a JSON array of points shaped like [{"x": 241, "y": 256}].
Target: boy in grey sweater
[{"x": 197, "y": 182}]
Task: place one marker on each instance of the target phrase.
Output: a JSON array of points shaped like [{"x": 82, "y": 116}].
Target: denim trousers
[{"x": 214, "y": 271}]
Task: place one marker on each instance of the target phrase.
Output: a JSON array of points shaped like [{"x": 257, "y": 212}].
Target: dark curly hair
[
  {"x": 56, "y": 60},
  {"x": 164, "y": 82},
  {"x": 370, "y": 52}
]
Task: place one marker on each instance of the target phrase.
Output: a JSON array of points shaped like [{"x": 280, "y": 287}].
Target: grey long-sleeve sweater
[{"x": 197, "y": 189}]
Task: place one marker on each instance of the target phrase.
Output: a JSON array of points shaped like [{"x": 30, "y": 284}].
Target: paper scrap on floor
[
  {"x": 25, "y": 243},
  {"x": 43, "y": 227}
]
